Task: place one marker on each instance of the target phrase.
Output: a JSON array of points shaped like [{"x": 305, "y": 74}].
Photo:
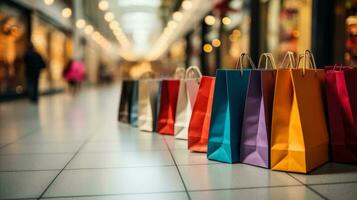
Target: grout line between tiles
[
  {"x": 96, "y": 168},
  {"x": 19, "y": 199},
  {"x": 246, "y": 188},
  {"x": 113, "y": 194},
  {"x": 307, "y": 186},
  {"x": 29, "y": 170},
  {"x": 333, "y": 183},
  {"x": 32, "y": 131},
  {"x": 178, "y": 170},
  {"x": 203, "y": 190},
  {"x": 74, "y": 155}
]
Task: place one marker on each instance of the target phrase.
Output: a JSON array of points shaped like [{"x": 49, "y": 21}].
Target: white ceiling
[{"x": 139, "y": 19}]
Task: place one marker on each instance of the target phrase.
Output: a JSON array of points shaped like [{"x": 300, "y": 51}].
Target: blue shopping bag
[
  {"x": 227, "y": 114},
  {"x": 134, "y": 108}
]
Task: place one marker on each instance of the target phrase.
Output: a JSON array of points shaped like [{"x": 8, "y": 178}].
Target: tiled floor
[{"x": 73, "y": 148}]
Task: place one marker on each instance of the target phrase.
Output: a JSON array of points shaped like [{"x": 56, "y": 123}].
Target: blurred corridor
[{"x": 85, "y": 86}]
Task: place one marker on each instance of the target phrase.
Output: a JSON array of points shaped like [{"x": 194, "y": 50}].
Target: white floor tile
[
  {"x": 46, "y": 148},
  {"x": 116, "y": 181},
  {"x": 158, "y": 196},
  {"x": 123, "y": 159},
  {"x": 176, "y": 144},
  {"x": 24, "y": 184},
  {"x": 330, "y": 173},
  {"x": 185, "y": 157},
  {"x": 124, "y": 146},
  {"x": 54, "y": 138},
  {"x": 18, "y": 162},
  {"x": 224, "y": 176},
  {"x": 277, "y": 193},
  {"x": 338, "y": 191}
]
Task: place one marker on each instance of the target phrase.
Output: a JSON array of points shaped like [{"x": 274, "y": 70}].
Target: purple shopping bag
[{"x": 255, "y": 139}]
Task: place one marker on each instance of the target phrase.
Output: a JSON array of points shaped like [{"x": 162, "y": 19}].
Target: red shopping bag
[
  {"x": 341, "y": 87},
  {"x": 168, "y": 102},
  {"x": 201, "y": 116}
]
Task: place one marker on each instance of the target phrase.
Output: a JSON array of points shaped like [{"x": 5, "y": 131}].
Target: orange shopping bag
[
  {"x": 299, "y": 139},
  {"x": 201, "y": 116}
]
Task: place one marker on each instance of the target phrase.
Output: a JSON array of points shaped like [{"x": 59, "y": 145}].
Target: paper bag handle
[
  {"x": 288, "y": 55},
  {"x": 268, "y": 59},
  {"x": 193, "y": 69},
  {"x": 241, "y": 60},
  {"x": 304, "y": 56},
  {"x": 180, "y": 73}
]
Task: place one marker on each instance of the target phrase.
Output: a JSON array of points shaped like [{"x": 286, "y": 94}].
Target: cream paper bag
[
  {"x": 186, "y": 99},
  {"x": 148, "y": 93}
]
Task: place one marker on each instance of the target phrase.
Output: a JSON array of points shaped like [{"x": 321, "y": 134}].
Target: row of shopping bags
[{"x": 266, "y": 116}]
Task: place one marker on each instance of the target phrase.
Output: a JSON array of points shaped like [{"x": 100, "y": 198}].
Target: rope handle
[
  {"x": 180, "y": 73},
  {"x": 193, "y": 69},
  {"x": 288, "y": 55},
  {"x": 241, "y": 60},
  {"x": 269, "y": 58},
  {"x": 304, "y": 56}
]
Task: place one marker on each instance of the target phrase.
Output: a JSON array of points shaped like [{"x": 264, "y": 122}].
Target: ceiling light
[
  {"x": 80, "y": 23},
  {"x": 88, "y": 29},
  {"x": 109, "y": 16},
  {"x": 103, "y": 5},
  {"x": 177, "y": 16},
  {"x": 207, "y": 48},
  {"x": 66, "y": 12},
  {"x": 48, "y": 2},
  {"x": 96, "y": 35},
  {"x": 236, "y": 32},
  {"x": 187, "y": 4},
  {"x": 216, "y": 43},
  {"x": 226, "y": 20},
  {"x": 210, "y": 20},
  {"x": 114, "y": 25}
]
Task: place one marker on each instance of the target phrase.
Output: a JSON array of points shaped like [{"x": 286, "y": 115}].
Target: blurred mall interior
[{"x": 70, "y": 145}]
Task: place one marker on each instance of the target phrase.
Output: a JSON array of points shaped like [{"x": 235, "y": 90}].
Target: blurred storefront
[
  {"x": 55, "y": 46},
  {"x": 14, "y": 37},
  {"x": 288, "y": 27},
  {"x": 351, "y": 33},
  {"x": 19, "y": 26}
]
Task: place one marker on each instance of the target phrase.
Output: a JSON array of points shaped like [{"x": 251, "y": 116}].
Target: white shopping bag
[{"x": 186, "y": 99}]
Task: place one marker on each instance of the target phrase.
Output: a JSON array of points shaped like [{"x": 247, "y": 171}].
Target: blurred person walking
[
  {"x": 34, "y": 64},
  {"x": 74, "y": 73}
]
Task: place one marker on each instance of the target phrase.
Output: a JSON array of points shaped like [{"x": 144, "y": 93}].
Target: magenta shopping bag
[
  {"x": 255, "y": 139},
  {"x": 341, "y": 90}
]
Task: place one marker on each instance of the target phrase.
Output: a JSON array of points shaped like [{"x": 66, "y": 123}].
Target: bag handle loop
[
  {"x": 241, "y": 60},
  {"x": 291, "y": 60},
  {"x": 304, "y": 56},
  {"x": 193, "y": 69},
  {"x": 180, "y": 73},
  {"x": 268, "y": 59}
]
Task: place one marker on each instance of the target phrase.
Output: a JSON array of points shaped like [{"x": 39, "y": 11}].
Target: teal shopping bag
[{"x": 227, "y": 114}]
